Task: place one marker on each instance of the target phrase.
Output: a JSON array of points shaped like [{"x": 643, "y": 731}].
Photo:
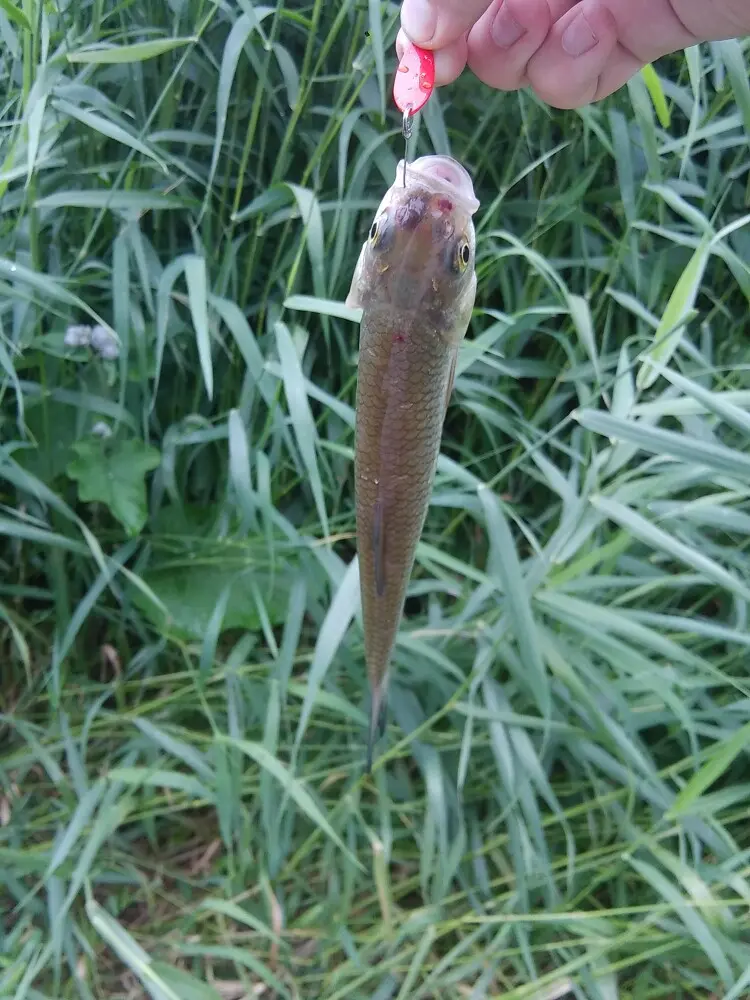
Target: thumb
[{"x": 436, "y": 23}]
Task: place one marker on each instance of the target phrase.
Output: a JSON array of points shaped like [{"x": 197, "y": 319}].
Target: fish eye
[
  {"x": 463, "y": 254},
  {"x": 376, "y": 231},
  {"x": 381, "y": 233}
]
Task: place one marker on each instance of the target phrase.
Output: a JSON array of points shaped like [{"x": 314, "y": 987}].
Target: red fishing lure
[{"x": 415, "y": 79}]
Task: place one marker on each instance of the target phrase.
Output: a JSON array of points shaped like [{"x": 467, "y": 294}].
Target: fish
[{"x": 415, "y": 282}]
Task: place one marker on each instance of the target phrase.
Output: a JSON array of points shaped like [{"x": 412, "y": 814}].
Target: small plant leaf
[{"x": 113, "y": 473}]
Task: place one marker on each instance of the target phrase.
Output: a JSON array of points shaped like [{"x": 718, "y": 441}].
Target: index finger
[{"x": 435, "y": 24}]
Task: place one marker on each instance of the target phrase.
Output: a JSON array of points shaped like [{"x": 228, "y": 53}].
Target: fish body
[{"x": 415, "y": 283}]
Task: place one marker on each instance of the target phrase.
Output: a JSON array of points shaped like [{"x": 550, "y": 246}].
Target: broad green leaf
[
  {"x": 190, "y": 591},
  {"x": 113, "y": 472}
]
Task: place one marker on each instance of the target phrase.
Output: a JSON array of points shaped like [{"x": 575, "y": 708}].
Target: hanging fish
[{"x": 415, "y": 283}]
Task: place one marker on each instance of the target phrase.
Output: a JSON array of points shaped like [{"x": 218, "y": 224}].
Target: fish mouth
[
  {"x": 443, "y": 175},
  {"x": 422, "y": 223},
  {"x": 410, "y": 212}
]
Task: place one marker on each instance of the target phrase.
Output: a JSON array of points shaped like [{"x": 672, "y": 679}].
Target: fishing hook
[{"x": 406, "y": 130}]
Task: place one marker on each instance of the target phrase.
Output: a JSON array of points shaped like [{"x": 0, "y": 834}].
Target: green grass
[{"x": 560, "y": 807}]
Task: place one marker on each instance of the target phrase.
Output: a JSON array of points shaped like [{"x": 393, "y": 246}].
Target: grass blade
[{"x": 510, "y": 575}]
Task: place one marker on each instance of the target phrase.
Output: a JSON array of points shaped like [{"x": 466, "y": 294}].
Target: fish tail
[{"x": 378, "y": 718}]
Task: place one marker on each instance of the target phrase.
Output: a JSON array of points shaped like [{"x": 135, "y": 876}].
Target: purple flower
[
  {"x": 78, "y": 336},
  {"x": 104, "y": 343}
]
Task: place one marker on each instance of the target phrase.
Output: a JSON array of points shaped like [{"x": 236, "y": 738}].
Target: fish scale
[{"x": 401, "y": 390}]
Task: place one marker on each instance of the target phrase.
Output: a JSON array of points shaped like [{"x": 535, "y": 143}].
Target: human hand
[{"x": 570, "y": 53}]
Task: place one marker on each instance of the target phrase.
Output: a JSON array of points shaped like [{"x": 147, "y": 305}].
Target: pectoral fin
[
  {"x": 354, "y": 298},
  {"x": 378, "y": 547},
  {"x": 451, "y": 378}
]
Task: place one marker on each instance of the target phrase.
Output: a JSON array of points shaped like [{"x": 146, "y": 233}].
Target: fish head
[{"x": 419, "y": 252}]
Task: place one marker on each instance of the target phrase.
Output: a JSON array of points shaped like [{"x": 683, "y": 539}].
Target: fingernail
[
  {"x": 578, "y": 37},
  {"x": 419, "y": 20},
  {"x": 505, "y": 28}
]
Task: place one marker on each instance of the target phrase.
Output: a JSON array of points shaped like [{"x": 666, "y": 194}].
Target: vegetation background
[{"x": 560, "y": 808}]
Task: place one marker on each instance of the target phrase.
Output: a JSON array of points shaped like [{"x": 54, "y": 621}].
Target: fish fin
[
  {"x": 378, "y": 547},
  {"x": 378, "y": 719},
  {"x": 451, "y": 378},
  {"x": 354, "y": 298}
]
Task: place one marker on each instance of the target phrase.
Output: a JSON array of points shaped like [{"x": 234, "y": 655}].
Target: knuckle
[{"x": 547, "y": 84}]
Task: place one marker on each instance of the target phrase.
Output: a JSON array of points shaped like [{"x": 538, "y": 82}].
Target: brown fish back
[{"x": 405, "y": 365}]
